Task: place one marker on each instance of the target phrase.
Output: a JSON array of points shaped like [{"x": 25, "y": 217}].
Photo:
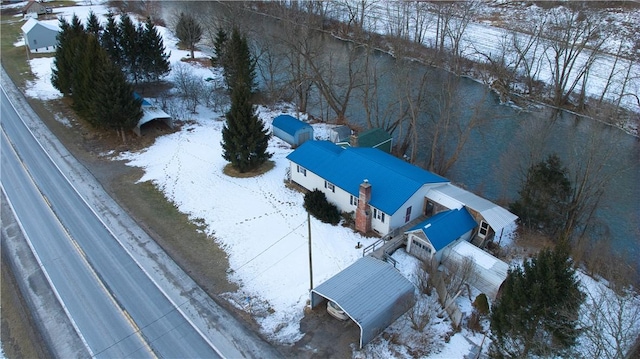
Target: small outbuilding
[
  {"x": 40, "y": 36},
  {"x": 150, "y": 113},
  {"x": 34, "y": 7},
  {"x": 371, "y": 292},
  {"x": 489, "y": 272},
  {"x": 292, "y": 130},
  {"x": 339, "y": 134}
]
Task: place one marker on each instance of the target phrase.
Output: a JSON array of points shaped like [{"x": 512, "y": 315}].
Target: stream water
[{"x": 493, "y": 158}]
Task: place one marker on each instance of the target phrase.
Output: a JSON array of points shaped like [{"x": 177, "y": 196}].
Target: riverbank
[{"x": 489, "y": 74}]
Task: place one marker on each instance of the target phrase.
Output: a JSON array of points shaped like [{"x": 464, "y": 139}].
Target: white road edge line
[{"x": 116, "y": 238}]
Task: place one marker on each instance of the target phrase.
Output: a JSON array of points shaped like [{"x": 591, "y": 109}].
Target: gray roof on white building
[
  {"x": 490, "y": 272},
  {"x": 455, "y": 197},
  {"x": 372, "y": 293}
]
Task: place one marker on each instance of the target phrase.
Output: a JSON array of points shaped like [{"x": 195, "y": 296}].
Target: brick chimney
[{"x": 363, "y": 212}]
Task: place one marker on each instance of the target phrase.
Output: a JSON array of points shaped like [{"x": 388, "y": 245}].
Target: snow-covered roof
[
  {"x": 31, "y": 23},
  {"x": 490, "y": 272},
  {"x": 371, "y": 292},
  {"x": 445, "y": 227},
  {"x": 393, "y": 181},
  {"x": 340, "y": 133},
  {"x": 452, "y": 196},
  {"x": 289, "y": 124}
]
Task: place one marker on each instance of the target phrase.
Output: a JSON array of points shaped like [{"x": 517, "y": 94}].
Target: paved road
[
  {"x": 105, "y": 329},
  {"x": 113, "y": 302}
]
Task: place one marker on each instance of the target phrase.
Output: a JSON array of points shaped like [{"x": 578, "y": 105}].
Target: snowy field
[{"x": 261, "y": 224}]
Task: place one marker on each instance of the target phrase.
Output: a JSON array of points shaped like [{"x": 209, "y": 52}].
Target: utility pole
[{"x": 310, "y": 260}]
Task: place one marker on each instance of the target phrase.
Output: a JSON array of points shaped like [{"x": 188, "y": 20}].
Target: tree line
[
  {"x": 244, "y": 136},
  {"x": 95, "y": 67}
]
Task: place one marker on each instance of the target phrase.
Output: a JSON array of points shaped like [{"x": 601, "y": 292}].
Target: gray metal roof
[
  {"x": 496, "y": 216},
  {"x": 490, "y": 272},
  {"x": 372, "y": 293}
]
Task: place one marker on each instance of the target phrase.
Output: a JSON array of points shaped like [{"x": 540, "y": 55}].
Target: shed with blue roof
[
  {"x": 428, "y": 239},
  {"x": 292, "y": 130},
  {"x": 384, "y": 191}
]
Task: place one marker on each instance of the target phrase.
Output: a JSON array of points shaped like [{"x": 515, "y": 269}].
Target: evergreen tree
[
  {"x": 87, "y": 51},
  {"x": 545, "y": 196},
  {"x": 219, "y": 44},
  {"x": 239, "y": 67},
  {"x": 537, "y": 311},
  {"x": 115, "y": 106},
  {"x": 129, "y": 45},
  {"x": 155, "y": 63},
  {"x": 110, "y": 40},
  {"x": 244, "y": 137},
  {"x": 93, "y": 24},
  {"x": 63, "y": 65},
  {"x": 188, "y": 31}
]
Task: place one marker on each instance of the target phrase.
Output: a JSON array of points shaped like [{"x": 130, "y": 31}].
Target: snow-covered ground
[
  {"x": 481, "y": 40},
  {"x": 261, "y": 223}
]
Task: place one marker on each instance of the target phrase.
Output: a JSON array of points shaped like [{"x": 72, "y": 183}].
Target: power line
[{"x": 273, "y": 244}]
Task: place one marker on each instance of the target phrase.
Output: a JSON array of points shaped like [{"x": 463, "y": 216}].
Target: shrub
[
  {"x": 481, "y": 304},
  {"x": 316, "y": 203}
]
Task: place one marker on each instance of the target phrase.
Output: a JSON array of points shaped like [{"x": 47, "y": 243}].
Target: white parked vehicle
[{"x": 336, "y": 311}]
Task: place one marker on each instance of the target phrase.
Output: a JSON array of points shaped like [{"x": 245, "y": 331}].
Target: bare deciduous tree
[
  {"x": 610, "y": 322},
  {"x": 188, "y": 86},
  {"x": 575, "y": 41}
]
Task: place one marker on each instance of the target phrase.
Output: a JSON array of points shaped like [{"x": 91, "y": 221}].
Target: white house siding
[
  {"x": 416, "y": 202},
  {"x": 312, "y": 181},
  {"x": 377, "y": 224}
]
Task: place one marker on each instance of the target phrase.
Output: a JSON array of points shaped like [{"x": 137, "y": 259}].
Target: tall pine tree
[
  {"x": 219, "y": 45},
  {"x": 93, "y": 24},
  {"x": 155, "y": 62},
  {"x": 537, "y": 311},
  {"x": 544, "y": 197},
  {"x": 63, "y": 61},
  {"x": 110, "y": 40},
  {"x": 239, "y": 66},
  {"x": 244, "y": 137},
  {"x": 115, "y": 107},
  {"x": 129, "y": 45}
]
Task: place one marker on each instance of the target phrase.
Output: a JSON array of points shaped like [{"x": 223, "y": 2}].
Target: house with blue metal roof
[
  {"x": 291, "y": 130},
  {"x": 427, "y": 239},
  {"x": 384, "y": 191}
]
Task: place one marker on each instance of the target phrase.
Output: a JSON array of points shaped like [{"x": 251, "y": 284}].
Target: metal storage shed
[
  {"x": 371, "y": 292},
  {"x": 490, "y": 272},
  {"x": 292, "y": 130},
  {"x": 151, "y": 113}
]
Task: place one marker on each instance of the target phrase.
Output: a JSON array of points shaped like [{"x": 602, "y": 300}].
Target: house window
[
  {"x": 35, "y": 42},
  {"x": 354, "y": 201},
  {"x": 330, "y": 186},
  {"x": 302, "y": 170},
  {"x": 378, "y": 214},
  {"x": 484, "y": 229},
  {"x": 407, "y": 216}
]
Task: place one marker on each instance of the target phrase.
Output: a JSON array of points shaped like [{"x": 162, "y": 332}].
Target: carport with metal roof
[{"x": 371, "y": 292}]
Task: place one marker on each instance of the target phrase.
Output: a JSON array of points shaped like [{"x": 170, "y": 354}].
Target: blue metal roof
[
  {"x": 445, "y": 227},
  {"x": 289, "y": 124},
  {"x": 393, "y": 181},
  {"x": 144, "y": 101}
]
